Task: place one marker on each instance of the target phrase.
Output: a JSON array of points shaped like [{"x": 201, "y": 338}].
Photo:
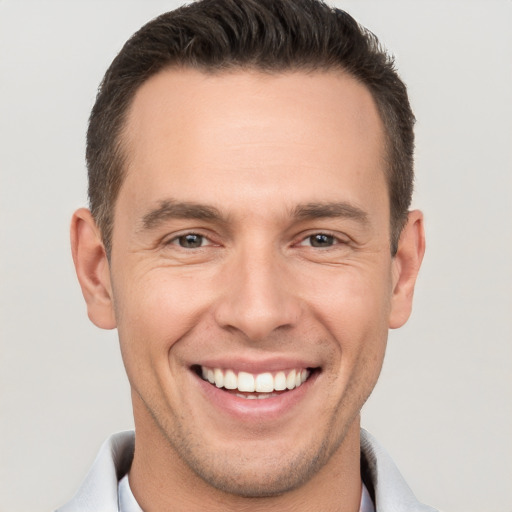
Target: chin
[
  {"x": 253, "y": 472},
  {"x": 264, "y": 479}
]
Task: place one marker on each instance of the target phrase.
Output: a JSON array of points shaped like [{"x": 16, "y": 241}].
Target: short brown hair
[{"x": 270, "y": 35}]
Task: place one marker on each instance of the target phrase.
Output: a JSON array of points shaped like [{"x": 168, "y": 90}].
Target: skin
[{"x": 238, "y": 158}]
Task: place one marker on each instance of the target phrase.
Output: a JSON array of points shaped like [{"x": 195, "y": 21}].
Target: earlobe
[
  {"x": 406, "y": 265},
  {"x": 92, "y": 269}
]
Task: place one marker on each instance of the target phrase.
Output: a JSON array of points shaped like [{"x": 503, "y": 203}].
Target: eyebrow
[
  {"x": 311, "y": 211},
  {"x": 170, "y": 209}
]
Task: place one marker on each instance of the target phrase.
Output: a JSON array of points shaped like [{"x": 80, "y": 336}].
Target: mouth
[{"x": 255, "y": 386}]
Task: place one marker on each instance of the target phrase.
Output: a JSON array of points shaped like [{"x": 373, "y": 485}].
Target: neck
[{"x": 161, "y": 480}]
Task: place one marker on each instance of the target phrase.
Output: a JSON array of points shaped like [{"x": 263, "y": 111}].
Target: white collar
[
  {"x": 128, "y": 503},
  {"x": 99, "y": 490}
]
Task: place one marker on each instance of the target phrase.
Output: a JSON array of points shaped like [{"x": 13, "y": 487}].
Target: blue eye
[
  {"x": 321, "y": 240},
  {"x": 190, "y": 241}
]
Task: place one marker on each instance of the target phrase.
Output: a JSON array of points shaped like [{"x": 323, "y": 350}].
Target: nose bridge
[{"x": 257, "y": 297}]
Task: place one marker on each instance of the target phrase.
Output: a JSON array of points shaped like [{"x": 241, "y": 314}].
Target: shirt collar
[{"x": 128, "y": 503}]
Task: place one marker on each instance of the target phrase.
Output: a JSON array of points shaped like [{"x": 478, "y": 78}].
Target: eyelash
[
  {"x": 176, "y": 240},
  {"x": 332, "y": 239}
]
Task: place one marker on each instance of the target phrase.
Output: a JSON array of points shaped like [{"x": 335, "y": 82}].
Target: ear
[
  {"x": 92, "y": 269},
  {"x": 405, "y": 267}
]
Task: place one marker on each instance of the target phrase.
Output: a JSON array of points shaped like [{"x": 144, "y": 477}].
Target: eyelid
[
  {"x": 174, "y": 238},
  {"x": 338, "y": 238}
]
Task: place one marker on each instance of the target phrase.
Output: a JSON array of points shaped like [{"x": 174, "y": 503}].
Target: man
[{"x": 250, "y": 175}]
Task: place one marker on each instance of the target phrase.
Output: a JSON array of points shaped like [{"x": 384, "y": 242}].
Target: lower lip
[{"x": 259, "y": 409}]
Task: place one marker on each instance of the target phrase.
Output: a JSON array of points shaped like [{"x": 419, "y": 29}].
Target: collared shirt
[
  {"x": 128, "y": 503},
  {"x": 100, "y": 489}
]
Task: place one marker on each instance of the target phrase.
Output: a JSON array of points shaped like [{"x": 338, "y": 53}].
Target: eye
[
  {"x": 320, "y": 240},
  {"x": 190, "y": 241}
]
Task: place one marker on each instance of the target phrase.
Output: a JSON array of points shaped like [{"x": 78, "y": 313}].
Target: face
[{"x": 251, "y": 278}]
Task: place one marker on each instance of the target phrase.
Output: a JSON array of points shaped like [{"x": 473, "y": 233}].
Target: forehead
[{"x": 260, "y": 130}]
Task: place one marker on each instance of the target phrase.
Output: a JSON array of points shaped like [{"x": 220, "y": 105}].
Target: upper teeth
[{"x": 262, "y": 382}]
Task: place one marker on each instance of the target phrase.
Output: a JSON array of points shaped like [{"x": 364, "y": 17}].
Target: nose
[{"x": 257, "y": 296}]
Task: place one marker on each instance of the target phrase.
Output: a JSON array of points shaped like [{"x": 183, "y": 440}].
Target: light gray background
[{"x": 443, "y": 405}]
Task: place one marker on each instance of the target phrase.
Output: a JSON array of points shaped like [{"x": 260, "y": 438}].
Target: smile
[{"x": 255, "y": 386}]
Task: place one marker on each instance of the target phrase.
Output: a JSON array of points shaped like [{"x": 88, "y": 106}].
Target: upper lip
[{"x": 274, "y": 364}]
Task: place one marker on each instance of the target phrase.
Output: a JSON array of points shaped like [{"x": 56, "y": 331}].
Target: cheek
[
  {"x": 153, "y": 314},
  {"x": 354, "y": 308},
  {"x": 353, "y": 301}
]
